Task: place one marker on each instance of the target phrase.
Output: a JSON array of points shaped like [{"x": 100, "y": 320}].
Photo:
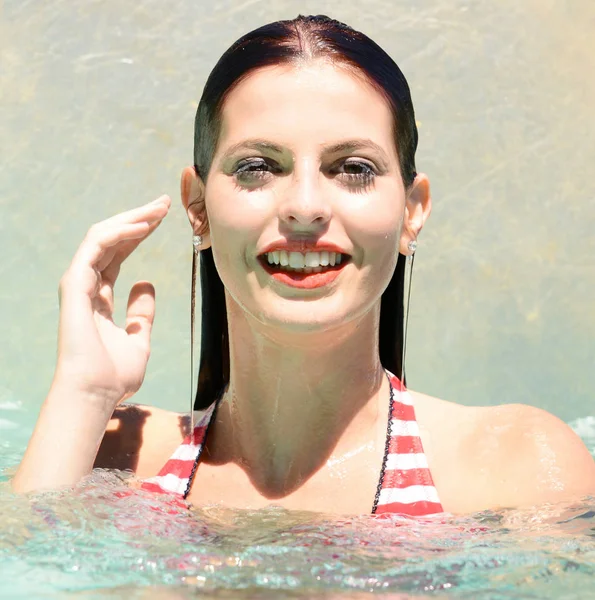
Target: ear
[
  {"x": 418, "y": 206},
  {"x": 192, "y": 191}
]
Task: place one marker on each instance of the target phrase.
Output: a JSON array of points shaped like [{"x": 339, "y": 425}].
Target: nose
[{"x": 304, "y": 206}]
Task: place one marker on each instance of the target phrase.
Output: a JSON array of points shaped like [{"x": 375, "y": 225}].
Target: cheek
[
  {"x": 236, "y": 221},
  {"x": 233, "y": 210},
  {"x": 376, "y": 224}
]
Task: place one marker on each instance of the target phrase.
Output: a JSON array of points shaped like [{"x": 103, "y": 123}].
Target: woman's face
[{"x": 305, "y": 170}]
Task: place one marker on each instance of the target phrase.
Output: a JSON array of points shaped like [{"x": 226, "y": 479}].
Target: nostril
[{"x": 295, "y": 219}]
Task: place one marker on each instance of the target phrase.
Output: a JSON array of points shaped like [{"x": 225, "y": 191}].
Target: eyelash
[
  {"x": 250, "y": 171},
  {"x": 363, "y": 179},
  {"x": 245, "y": 172}
]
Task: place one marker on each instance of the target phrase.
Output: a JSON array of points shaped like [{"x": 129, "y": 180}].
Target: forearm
[{"x": 65, "y": 440}]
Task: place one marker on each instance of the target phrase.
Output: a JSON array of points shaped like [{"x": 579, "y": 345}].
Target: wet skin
[{"x": 306, "y": 155}]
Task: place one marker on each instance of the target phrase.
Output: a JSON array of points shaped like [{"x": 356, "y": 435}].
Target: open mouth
[{"x": 304, "y": 269}]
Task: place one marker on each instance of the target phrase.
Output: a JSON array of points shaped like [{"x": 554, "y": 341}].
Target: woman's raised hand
[
  {"x": 97, "y": 358},
  {"x": 99, "y": 363}
]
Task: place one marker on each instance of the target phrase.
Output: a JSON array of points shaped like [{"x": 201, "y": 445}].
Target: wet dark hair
[{"x": 286, "y": 42}]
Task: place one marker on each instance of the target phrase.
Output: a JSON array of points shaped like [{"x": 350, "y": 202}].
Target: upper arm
[{"x": 140, "y": 439}]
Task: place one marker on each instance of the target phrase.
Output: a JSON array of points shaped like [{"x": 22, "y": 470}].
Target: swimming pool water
[{"x": 104, "y": 539}]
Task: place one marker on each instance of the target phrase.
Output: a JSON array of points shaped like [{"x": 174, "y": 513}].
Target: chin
[
  {"x": 303, "y": 317},
  {"x": 306, "y": 312}
]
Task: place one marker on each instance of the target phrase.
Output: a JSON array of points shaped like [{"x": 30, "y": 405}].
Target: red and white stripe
[
  {"x": 175, "y": 474},
  {"x": 407, "y": 486}
]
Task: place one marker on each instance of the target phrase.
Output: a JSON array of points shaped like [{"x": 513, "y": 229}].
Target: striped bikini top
[{"x": 405, "y": 485}]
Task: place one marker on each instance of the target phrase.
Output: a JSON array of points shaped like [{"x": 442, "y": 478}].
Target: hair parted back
[{"x": 286, "y": 42}]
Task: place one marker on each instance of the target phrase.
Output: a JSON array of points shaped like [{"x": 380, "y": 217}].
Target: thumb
[{"x": 140, "y": 313}]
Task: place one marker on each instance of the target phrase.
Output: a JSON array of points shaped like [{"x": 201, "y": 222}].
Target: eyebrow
[
  {"x": 267, "y": 147},
  {"x": 359, "y": 144},
  {"x": 263, "y": 146}
]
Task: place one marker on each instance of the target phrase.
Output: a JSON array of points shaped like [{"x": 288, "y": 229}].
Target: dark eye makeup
[
  {"x": 253, "y": 170},
  {"x": 354, "y": 173}
]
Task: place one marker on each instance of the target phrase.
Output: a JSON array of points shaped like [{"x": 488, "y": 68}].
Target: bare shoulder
[
  {"x": 141, "y": 438},
  {"x": 508, "y": 455},
  {"x": 542, "y": 458}
]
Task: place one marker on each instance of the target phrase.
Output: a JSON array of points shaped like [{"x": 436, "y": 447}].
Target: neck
[{"x": 291, "y": 399}]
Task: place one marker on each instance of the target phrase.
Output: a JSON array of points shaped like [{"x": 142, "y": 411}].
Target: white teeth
[
  {"x": 296, "y": 260},
  {"x": 312, "y": 259}
]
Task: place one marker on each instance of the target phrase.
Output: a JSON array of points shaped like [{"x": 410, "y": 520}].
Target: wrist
[
  {"x": 71, "y": 424},
  {"x": 98, "y": 401}
]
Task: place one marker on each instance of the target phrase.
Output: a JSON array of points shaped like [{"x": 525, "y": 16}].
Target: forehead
[{"x": 314, "y": 103}]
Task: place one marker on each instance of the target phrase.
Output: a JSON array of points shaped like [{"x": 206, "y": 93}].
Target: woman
[{"x": 304, "y": 205}]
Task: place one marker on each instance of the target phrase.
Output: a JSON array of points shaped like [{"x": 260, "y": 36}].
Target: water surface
[{"x": 105, "y": 541}]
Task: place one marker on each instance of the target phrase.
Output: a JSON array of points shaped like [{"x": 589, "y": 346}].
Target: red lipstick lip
[
  {"x": 303, "y": 246},
  {"x": 300, "y": 279},
  {"x": 306, "y": 281}
]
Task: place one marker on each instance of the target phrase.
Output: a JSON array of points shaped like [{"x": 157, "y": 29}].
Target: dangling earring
[
  {"x": 412, "y": 247},
  {"x": 196, "y": 244}
]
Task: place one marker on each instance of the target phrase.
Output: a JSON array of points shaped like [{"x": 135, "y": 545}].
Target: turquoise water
[
  {"x": 97, "y": 103},
  {"x": 93, "y": 543},
  {"x": 97, "y": 542}
]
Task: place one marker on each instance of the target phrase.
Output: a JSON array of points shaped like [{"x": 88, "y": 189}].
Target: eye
[
  {"x": 355, "y": 173},
  {"x": 250, "y": 172}
]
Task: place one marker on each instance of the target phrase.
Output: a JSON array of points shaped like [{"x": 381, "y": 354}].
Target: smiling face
[{"x": 305, "y": 174}]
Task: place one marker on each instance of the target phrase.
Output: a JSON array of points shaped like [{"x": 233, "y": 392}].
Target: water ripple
[{"x": 105, "y": 536}]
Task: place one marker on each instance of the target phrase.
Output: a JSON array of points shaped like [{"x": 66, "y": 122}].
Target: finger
[
  {"x": 154, "y": 218},
  {"x": 147, "y": 212},
  {"x": 140, "y": 314},
  {"x": 111, "y": 262},
  {"x": 105, "y": 233},
  {"x": 99, "y": 239},
  {"x": 105, "y": 299},
  {"x": 109, "y": 266},
  {"x": 129, "y": 225},
  {"x": 82, "y": 276}
]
